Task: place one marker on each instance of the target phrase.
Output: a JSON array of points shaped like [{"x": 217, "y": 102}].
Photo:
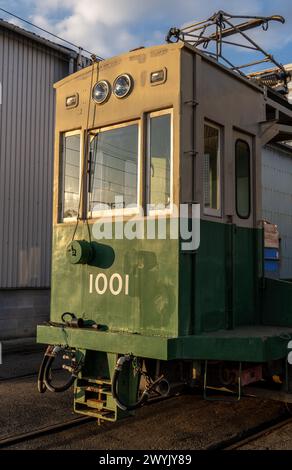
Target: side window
[
  {"x": 159, "y": 161},
  {"x": 70, "y": 175},
  {"x": 211, "y": 170},
  {"x": 242, "y": 178}
]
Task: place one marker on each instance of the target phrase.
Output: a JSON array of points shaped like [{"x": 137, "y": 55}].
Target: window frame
[
  {"x": 63, "y": 136},
  {"x": 153, "y": 212},
  {"x": 210, "y": 210},
  {"x": 249, "y": 179},
  {"x": 124, "y": 211}
]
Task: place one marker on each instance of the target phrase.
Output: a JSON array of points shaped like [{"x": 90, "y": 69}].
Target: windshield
[{"x": 114, "y": 168}]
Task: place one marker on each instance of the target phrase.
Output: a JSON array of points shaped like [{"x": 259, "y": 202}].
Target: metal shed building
[
  {"x": 277, "y": 193},
  {"x": 29, "y": 65}
]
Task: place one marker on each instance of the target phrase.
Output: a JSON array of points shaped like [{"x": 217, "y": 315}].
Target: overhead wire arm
[
  {"x": 242, "y": 27},
  {"x": 212, "y": 33},
  {"x": 175, "y": 33}
]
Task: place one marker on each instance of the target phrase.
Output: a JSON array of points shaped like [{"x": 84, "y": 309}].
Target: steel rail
[
  {"x": 15, "y": 377},
  {"x": 25, "y": 376},
  {"x": 45, "y": 431},
  {"x": 251, "y": 434},
  {"x": 14, "y": 439}
]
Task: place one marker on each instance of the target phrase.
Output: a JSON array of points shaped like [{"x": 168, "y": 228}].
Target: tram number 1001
[{"x": 116, "y": 284}]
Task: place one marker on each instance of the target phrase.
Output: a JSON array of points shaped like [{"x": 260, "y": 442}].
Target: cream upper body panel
[
  {"x": 198, "y": 91},
  {"x": 144, "y": 97}
]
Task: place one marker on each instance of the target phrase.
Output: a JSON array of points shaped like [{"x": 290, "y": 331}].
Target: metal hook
[{"x": 265, "y": 26}]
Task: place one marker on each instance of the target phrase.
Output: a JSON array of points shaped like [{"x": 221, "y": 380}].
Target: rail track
[
  {"x": 41, "y": 432},
  {"x": 234, "y": 443},
  {"x": 252, "y": 434},
  {"x": 14, "y": 439},
  {"x": 16, "y": 377},
  {"x": 11, "y": 440},
  {"x": 25, "y": 376}
]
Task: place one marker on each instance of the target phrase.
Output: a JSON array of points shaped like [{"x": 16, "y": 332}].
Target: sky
[{"x": 110, "y": 27}]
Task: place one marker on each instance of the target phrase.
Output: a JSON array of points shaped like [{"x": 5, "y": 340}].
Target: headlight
[
  {"x": 100, "y": 91},
  {"x": 122, "y": 85}
]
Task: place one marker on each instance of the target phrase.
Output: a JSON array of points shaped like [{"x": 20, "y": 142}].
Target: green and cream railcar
[{"x": 138, "y": 137}]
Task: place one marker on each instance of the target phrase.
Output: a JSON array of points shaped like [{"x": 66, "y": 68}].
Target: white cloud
[{"x": 109, "y": 27}]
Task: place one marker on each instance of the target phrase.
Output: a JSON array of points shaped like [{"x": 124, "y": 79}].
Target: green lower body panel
[
  {"x": 277, "y": 297},
  {"x": 246, "y": 344}
]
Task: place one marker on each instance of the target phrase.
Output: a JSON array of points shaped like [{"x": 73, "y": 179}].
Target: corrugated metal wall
[
  {"x": 277, "y": 199},
  {"x": 27, "y": 73}
]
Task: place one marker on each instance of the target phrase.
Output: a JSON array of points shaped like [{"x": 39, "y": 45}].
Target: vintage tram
[{"x": 146, "y": 137}]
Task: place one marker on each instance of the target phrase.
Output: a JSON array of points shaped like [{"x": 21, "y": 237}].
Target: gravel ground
[
  {"x": 22, "y": 408},
  {"x": 185, "y": 422}
]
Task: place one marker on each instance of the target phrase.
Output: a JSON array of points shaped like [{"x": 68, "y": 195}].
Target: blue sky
[{"x": 109, "y": 27}]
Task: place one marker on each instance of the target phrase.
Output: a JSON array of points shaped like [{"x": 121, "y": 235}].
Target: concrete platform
[
  {"x": 20, "y": 345},
  {"x": 19, "y": 363}
]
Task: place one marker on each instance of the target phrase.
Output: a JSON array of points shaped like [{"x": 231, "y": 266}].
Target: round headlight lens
[
  {"x": 122, "y": 85},
  {"x": 100, "y": 91}
]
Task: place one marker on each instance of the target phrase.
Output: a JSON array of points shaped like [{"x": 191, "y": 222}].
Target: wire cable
[
  {"x": 51, "y": 34},
  {"x": 85, "y": 160}
]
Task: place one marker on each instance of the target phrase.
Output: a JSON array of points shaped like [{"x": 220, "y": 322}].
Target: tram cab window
[
  {"x": 242, "y": 178},
  {"x": 114, "y": 168},
  {"x": 211, "y": 170},
  {"x": 159, "y": 161},
  {"x": 70, "y": 175}
]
